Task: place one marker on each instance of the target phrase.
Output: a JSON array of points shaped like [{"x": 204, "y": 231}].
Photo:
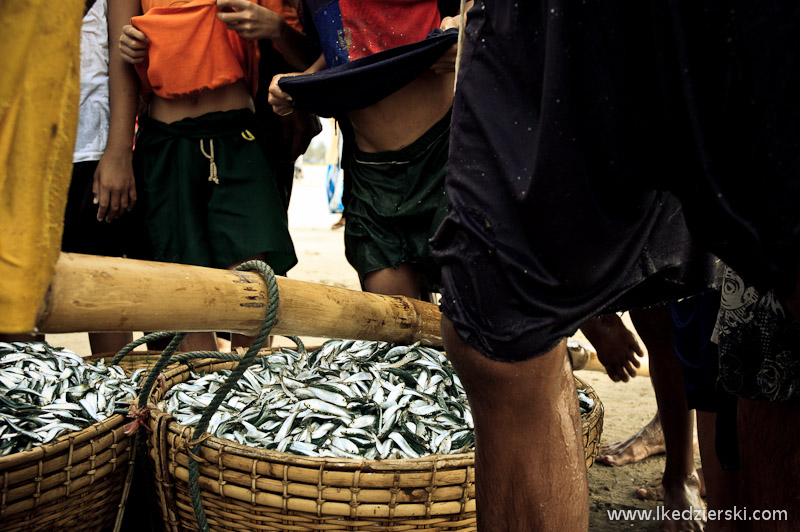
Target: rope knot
[
  {"x": 139, "y": 415},
  {"x": 187, "y": 446},
  {"x": 212, "y": 164}
]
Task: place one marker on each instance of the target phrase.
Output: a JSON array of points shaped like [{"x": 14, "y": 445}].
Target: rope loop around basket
[
  {"x": 247, "y": 360},
  {"x": 168, "y": 356},
  {"x": 140, "y": 341}
]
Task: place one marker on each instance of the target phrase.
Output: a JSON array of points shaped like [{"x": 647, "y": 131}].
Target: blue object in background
[{"x": 333, "y": 186}]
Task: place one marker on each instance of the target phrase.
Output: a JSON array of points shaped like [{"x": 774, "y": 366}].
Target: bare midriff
[
  {"x": 401, "y": 118},
  {"x": 225, "y": 98}
]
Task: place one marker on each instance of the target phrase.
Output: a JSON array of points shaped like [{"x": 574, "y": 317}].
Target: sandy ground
[{"x": 628, "y": 406}]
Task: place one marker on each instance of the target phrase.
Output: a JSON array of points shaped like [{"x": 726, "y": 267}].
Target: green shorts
[
  {"x": 395, "y": 205},
  {"x": 212, "y": 214}
]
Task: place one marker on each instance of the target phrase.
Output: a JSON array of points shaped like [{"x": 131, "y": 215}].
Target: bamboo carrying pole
[{"x": 100, "y": 294}]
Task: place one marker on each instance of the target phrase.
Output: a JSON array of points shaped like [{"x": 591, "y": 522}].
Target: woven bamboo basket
[
  {"x": 74, "y": 483},
  {"x": 592, "y": 424},
  {"x": 249, "y": 489}
]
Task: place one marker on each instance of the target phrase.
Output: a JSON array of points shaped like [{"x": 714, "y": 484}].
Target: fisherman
[
  {"x": 684, "y": 368},
  {"x": 616, "y": 346},
  {"x": 569, "y": 122},
  {"x": 394, "y": 166}
]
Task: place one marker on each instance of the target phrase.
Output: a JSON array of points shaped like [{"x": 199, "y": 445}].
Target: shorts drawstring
[{"x": 213, "y": 166}]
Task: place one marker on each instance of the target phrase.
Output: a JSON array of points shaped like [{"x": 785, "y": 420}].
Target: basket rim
[
  {"x": 63, "y": 442},
  {"x": 440, "y": 461},
  {"x": 77, "y": 437}
]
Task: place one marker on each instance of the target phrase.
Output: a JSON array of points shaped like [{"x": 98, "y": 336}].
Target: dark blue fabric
[
  {"x": 571, "y": 124},
  {"x": 366, "y": 81},
  {"x": 328, "y": 23},
  {"x": 693, "y": 322}
]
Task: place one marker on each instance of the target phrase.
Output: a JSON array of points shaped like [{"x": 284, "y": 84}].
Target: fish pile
[
  {"x": 47, "y": 391},
  {"x": 348, "y": 399}
]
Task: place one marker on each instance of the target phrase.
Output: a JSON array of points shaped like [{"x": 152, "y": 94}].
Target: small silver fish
[{"x": 48, "y": 391}]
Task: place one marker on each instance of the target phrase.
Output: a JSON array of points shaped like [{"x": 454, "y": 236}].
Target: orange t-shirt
[{"x": 191, "y": 50}]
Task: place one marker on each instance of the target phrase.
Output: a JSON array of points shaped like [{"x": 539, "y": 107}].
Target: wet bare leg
[
  {"x": 769, "y": 443},
  {"x": 649, "y": 440},
  {"x": 109, "y": 342},
  {"x": 724, "y": 487},
  {"x": 530, "y": 469},
  {"x": 223, "y": 344},
  {"x": 680, "y": 480},
  {"x": 401, "y": 281},
  {"x": 202, "y": 341}
]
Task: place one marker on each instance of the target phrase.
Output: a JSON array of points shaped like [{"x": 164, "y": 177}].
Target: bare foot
[
  {"x": 654, "y": 490},
  {"x": 683, "y": 498},
  {"x": 647, "y": 442},
  {"x": 339, "y": 223}
]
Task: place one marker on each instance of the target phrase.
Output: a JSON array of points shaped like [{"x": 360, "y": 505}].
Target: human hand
[
  {"x": 617, "y": 347},
  {"x": 133, "y": 45},
  {"x": 450, "y": 22},
  {"x": 114, "y": 187},
  {"x": 249, "y": 20},
  {"x": 447, "y": 63},
  {"x": 282, "y": 104}
]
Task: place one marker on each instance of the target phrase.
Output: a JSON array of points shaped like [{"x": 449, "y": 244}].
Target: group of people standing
[
  {"x": 646, "y": 136},
  {"x": 205, "y": 164}
]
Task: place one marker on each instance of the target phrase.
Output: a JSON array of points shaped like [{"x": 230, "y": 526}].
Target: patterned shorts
[{"x": 759, "y": 343}]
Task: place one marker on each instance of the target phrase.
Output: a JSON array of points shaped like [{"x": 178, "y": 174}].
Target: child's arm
[
  {"x": 282, "y": 104},
  {"x": 114, "y": 186},
  {"x": 252, "y": 21},
  {"x": 617, "y": 347}
]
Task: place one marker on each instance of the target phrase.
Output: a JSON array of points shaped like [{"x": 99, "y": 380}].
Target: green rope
[
  {"x": 140, "y": 439},
  {"x": 233, "y": 378},
  {"x": 161, "y": 363},
  {"x": 298, "y": 342},
  {"x": 168, "y": 356},
  {"x": 141, "y": 341}
]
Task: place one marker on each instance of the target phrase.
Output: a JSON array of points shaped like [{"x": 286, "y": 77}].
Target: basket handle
[
  {"x": 139, "y": 341},
  {"x": 247, "y": 360},
  {"x": 168, "y": 356}
]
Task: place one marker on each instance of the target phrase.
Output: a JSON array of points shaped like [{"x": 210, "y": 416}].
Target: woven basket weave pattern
[
  {"x": 245, "y": 488},
  {"x": 74, "y": 483}
]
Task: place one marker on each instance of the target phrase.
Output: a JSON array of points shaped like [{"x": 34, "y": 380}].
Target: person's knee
[
  {"x": 504, "y": 384},
  {"x": 400, "y": 281}
]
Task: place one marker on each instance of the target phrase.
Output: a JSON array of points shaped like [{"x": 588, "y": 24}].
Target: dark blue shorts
[
  {"x": 693, "y": 321},
  {"x": 576, "y": 125}
]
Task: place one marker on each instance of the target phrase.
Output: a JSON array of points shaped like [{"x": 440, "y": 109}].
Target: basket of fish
[
  {"x": 353, "y": 435},
  {"x": 64, "y": 454}
]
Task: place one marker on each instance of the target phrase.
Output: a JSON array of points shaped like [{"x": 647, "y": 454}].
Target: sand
[{"x": 628, "y": 406}]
